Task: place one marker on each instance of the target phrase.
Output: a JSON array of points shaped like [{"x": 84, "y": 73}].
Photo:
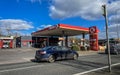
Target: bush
[{"x": 75, "y": 47}]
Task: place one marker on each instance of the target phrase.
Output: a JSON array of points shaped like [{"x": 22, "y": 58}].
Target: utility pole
[
  {"x": 117, "y": 32},
  {"x": 108, "y": 46},
  {"x": 0, "y": 31},
  {"x": 117, "y": 28}
]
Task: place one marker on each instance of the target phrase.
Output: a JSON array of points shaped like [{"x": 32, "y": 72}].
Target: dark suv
[
  {"x": 52, "y": 53},
  {"x": 114, "y": 49}
]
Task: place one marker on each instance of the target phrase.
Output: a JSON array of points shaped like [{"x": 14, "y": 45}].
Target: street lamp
[{"x": 108, "y": 46}]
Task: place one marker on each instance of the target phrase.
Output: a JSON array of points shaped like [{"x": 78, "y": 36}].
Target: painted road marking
[
  {"x": 21, "y": 68},
  {"x": 95, "y": 69},
  {"x": 28, "y": 58}
]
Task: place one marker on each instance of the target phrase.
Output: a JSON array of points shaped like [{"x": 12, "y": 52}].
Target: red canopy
[{"x": 60, "y": 30}]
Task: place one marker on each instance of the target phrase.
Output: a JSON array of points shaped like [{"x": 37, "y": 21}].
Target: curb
[{"x": 85, "y": 53}]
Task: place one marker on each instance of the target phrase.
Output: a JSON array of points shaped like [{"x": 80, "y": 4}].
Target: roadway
[{"x": 64, "y": 67}]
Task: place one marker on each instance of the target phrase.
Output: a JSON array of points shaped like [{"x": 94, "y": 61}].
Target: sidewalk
[
  {"x": 90, "y": 52},
  {"x": 20, "y": 49}
]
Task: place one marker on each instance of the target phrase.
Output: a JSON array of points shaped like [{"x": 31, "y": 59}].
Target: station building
[{"x": 58, "y": 35}]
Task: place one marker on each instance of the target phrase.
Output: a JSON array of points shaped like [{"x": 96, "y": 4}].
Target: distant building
[
  {"x": 43, "y": 41},
  {"x": 6, "y": 42},
  {"x": 24, "y": 41},
  {"x": 104, "y": 41}
]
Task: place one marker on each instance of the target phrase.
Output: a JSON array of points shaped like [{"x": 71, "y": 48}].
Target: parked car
[
  {"x": 53, "y": 53},
  {"x": 114, "y": 49},
  {"x": 5, "y": 45}
]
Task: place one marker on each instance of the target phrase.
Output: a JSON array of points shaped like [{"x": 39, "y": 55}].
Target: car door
[
  {"x": 70, "y": 53},
  {"x": 57, "y": 52},
  {"x": 64, "y": 52},
  {"x": 67, "y": 53}
]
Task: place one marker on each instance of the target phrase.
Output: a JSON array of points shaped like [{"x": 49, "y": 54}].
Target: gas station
[{"x": 51, "y": 35}]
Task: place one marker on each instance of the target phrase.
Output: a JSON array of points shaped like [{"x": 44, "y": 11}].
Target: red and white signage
[
  {"x": 93, "y": 30},
  {"x": 93, "y": 38}
]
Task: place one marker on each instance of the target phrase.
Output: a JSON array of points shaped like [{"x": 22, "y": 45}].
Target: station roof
[
  {"x": 7, "y": 37},
  {"x": 61, "y": 30}
]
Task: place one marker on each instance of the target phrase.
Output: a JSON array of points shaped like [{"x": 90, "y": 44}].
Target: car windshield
[
  {"x": 46, "y": 48},
  {"x": 65, "y": 48}
]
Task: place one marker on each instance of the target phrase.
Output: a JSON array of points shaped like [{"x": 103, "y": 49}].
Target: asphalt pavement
[
  {"x": 83, "y": 65},
  {"x": 18, "y": 62},
  {"x": 115, "y": 71},
  {"x": 20, "y": 55},
  {"x": 16, "y": 55}
]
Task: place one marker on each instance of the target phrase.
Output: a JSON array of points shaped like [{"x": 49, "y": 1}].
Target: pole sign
[
  {"x": 0, "y": 44},
  {"x": 93, "y": 32}
]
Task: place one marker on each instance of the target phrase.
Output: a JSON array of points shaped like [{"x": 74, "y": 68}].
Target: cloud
[
  {"x": 86, "y": 9},
  {"x": 15, "y": 24},
  {"x": 102, "y": 35},
  {"x": 114, "y": 31},
  {"x": 114, "y": 19},
  {"x": 20, "y": 33},
  {"x": 32, "y": 1},
  {"x": 113, "y": 8},
  {"x": 114, "y": 23},
  {"x": 61, "y": 9},
  {"x": 43, "y": 26},
  {"x": 113, "y": 35},
  {"x": 114, "y": 28}
]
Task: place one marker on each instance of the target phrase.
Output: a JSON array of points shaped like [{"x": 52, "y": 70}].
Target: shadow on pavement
[
  {"x": 37, "y": 61},
  {"x": 86, "y": 65}
]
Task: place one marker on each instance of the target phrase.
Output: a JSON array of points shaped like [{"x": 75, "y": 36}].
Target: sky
[{"x": 27, "y": 16}]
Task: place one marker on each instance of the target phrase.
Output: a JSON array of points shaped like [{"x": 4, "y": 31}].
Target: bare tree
[
  {"x": 1, "y": 32},
  {"x": 8, "y": 29}
]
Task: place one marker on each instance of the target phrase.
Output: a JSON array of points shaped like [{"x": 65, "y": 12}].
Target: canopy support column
[
  {"x": 63, "y": 35},
  {"x": 83, "y": 37},
  {"x": 47, "y": 41},
  {"x": 66, "y": 41}
]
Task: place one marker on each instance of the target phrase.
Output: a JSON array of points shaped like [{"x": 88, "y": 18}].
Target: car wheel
[
  {"x": 51, "y": 59},
  {"x": 36, "y": 59},
  {"x": 75, "y": 57}
]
